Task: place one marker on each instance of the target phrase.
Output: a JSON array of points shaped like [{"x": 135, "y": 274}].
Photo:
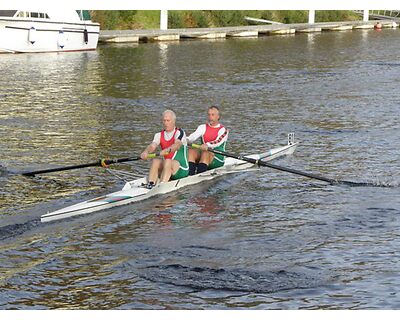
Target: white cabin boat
[{"x": 51, "y": 31}]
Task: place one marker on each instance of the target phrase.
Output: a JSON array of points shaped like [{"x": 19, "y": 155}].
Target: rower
[
  {"x": 213, "y": 135},
  {"x": 173, "y": 164}
]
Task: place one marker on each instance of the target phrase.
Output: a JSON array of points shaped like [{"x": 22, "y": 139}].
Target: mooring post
[
  {"x": 164, "y": 20},
  {"x": 311, "y": 16},
  {"x": 366, "y": 15}
]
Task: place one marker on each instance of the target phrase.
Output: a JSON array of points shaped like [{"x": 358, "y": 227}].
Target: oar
[
  {"x": 99, "y": 163},
  {"x": 280, "y": 168}
]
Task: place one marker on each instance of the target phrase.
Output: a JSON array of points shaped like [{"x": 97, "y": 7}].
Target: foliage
[
  {"x": 334, "y": 15},
  {"x": 150, "y": 19}
]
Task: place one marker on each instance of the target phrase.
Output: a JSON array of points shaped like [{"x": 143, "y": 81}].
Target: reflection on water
[{"x": 318, "y": 246}]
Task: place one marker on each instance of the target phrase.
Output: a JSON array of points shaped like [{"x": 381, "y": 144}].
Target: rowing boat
[{"x": 134, "y": 191}]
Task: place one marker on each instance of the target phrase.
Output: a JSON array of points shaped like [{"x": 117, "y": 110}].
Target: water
[{"x": 263, "y": 240}]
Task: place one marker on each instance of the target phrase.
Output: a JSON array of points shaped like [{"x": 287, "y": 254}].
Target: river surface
[{"x": 259, "y": 240}]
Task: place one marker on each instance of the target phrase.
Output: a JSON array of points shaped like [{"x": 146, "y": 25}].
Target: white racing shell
[{"x": 133, "y": 191}]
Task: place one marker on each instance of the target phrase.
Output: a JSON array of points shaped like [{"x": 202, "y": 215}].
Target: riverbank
[
  {"x": 119, "y": 36},
  {"x": 179, "y": 19}
]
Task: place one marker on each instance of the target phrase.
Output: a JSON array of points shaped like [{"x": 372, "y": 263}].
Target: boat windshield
[
  {"x": 28, "y": 14},
  {"x": 7, "y": 13},
  {"x": 83, "y": 14}
]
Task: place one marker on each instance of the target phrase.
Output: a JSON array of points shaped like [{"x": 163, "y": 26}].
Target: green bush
[
  {"x": 108, "y": 20},
  {"x": 223, "y": 18},
  {"x": 293, "y": 16},
  {"x": 200, "y": 19},
  {"x": 175, "y": 20},
  {"x": 335, "y": 15},
  {"x": 266, "y": 15}
]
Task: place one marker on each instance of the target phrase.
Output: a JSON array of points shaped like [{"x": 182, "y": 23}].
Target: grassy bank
[{"x": 150, "y": 19}]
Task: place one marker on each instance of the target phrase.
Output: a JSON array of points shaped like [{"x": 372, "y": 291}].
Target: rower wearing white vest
[
  {"x": 174, "y": 162},
  {"x": 213, "y": 135}
]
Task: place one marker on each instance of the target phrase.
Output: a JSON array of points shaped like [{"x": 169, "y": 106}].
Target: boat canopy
[
  {"x": 7, "y": 13},
  {"x": 64, "y": 15},
  {"x": 55, "y": 15}
]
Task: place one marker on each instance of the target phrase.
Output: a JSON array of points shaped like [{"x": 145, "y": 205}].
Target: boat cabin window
[
  {"x": 27, "y": 14},
  {"x": 7, "y": 13},
  {"x": 84, "y": 14}
]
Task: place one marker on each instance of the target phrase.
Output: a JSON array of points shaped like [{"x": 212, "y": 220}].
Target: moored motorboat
[{"x": 23, "y": 31}]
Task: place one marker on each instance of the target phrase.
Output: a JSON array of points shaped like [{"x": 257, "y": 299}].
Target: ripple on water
[
  {"x": 265, "y": 239},
  {"x": 204, "y": 278}
]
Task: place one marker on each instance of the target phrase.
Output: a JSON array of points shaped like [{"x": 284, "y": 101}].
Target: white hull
[
  {"x": 134, "y": 192},
  {"x": 23, "y": 35}
]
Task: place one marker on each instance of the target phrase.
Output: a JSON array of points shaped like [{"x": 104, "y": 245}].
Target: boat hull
[
  {"x": 33, "y": 36},
  {"x": 133, "y": 191}
]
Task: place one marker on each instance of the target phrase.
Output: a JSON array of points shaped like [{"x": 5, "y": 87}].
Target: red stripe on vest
[
  {"x": 211, "y": 133},
  {"x": 164, "y": 143}
]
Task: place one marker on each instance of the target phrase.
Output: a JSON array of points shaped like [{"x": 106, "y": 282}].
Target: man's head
[
  {"x": 213, "y": 115},
  {"x": 169, "y": 119}
]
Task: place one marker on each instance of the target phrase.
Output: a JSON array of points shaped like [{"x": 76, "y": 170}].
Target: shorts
[
  {"x": 181, "y": 157},
  {"x": 217, "y": 162},
  {"x": 181, "y": 173}
]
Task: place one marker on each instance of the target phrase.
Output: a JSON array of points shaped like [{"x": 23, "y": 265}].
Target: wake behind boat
[{"x": 135, "y": 191}]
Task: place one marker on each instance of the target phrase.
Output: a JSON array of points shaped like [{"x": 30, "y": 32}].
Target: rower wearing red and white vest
[
  {"x": 213, "y": 135},
  {"x": 174, "y": 162}
]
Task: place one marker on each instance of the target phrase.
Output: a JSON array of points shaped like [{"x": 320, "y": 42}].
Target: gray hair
[{"x": 173, "y": 115}]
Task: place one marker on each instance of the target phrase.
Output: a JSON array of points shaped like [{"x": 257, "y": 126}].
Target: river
[{"x": 259, "y": 240}]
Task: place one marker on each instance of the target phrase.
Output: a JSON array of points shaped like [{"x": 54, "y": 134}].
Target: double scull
[{"x": 135, "y": 190}]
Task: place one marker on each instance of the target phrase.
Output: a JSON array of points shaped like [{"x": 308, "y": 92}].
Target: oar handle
[
  {"x": 152, "y": 155},
  {"x": 195, "y": 146}
]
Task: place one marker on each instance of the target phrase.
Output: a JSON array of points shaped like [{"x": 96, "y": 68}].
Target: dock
[{"x": 251, "y": 31}]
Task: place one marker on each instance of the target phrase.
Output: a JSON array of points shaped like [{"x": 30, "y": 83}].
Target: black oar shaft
[
  {"x": 98, "y": 163},
  {"x": 300, "y": 173},
  {"x": 273, "y": 166},
  {"x": 285, "y": 169},
  {"x": 86, "y": 165}
]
